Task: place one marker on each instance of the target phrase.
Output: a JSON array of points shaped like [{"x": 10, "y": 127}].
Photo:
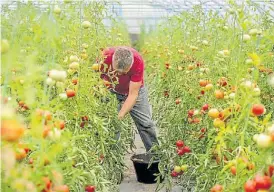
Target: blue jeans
[{"x": 142, "y": 117}]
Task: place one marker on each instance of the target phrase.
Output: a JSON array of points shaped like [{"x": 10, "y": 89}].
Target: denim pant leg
[{"x": 142, "y": 116}]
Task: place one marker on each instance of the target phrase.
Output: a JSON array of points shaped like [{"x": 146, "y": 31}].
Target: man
[{"x": 125, "y": 66}]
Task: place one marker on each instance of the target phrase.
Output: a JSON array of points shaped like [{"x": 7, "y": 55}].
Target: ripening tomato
[
  {"x": 46, "y": 131},
  {"x": 95, "y": 67},
  {"x": 177, "y": 169},
  {"x": 60, "y": 124},
  {"x": 222, "y": 81},
  {"x": 74, "y": 81},
  {"x": 31, "y": 161},
  {"x": 219, "y": 94},
  {"x": 250, "y": 186},
  {"x": 208, "y": 87},
  {"x": 213, "y": 113},
  {"x": 47, "y": 115},
  {"x": 190, "y": 67},
  {"x": 233, "y": 170},
  {"x": 218, "y": 123},
  {"x": 11, "y": 130},
  {"x": 179, "y": 143},
  {"x": 47, "y": 183},
  {"x": 258, "y": 109},
  {"x": 20, "y": 154},
  {"x": 107, "y": 83},
  {"x": 90, "y": 188},
  {"x": 203, "y": 82},
  {"x": 70, "y": 93},
  {"x": 217, "y": 188},
  {"x": 178, "y": 101},
  {"x": 250, "y": 166},
  {"x": 61, "y": 188},
  {"x": 21, "y": 103},
  {"x": 190, "y": 113}
]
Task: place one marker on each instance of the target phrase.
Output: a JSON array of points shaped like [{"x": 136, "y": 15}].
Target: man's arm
[{"x": 131, "y": 99}]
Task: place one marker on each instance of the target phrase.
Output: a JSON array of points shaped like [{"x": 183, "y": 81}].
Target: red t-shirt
[{"x": 135, "y": 74}]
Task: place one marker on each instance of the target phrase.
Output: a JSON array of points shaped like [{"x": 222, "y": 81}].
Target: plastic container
[{"x": 143, "y": 173}]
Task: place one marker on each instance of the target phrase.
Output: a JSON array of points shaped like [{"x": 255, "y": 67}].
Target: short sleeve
[{"x": 138, "y": 73}]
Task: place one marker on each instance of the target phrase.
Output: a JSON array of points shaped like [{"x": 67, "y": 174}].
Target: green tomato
[
  {"x": 4, "y": 46},
  {"x": 184, "y": 167},
  {"x": 177, "y": 169}
]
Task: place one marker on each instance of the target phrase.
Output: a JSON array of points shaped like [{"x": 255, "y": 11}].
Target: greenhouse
[{"x": 137, "y": 95}]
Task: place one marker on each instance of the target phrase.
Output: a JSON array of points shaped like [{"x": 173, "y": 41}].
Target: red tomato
[
  {"x": 205, "y": 107},
  {"x": 84, "y": 118},
  {"x": 250, "y": 186},
  {"x": 233, "y": 170},
  {"x": 271, "y": 170},
  {"x": 60, "y": 124},
  {"x": 27, "y": 150},
  {"x": 190, "y": 113},
  {"x": 74, "y": 81},
  {"x": 258, "y": 109},
  {"x": 203, "y": 130},
  {"x": 70, "y": 93},
  {"x": 89, "y": 188},
  {"x": 222, "y": 81},
  {"x": 179, "y": 143},
  {"x": 47, "y": 184},
  {"x": 180, "y": 152},
  {"x": 202, "y": 92},
  {"x": 82, "y": 124},
  {"x": 186, "y": 149},
  {"x": 262, "y": 182},
  {"x": 174, "y": 174},
  {"x": 217, "y": 188}
]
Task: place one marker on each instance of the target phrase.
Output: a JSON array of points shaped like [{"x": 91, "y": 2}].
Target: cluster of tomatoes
[{"x": 181, "y": 150}]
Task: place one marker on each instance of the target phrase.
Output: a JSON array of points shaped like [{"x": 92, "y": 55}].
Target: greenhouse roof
[{"x": 150, "y": 12}]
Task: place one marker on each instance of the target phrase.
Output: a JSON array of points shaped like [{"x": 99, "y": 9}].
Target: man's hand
[
  {"x": 131, "y": 99},
  {"x": 121, "y": 116}
]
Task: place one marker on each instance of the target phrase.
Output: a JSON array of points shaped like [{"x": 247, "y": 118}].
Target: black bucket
[{"x": 143, "y": 173}]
